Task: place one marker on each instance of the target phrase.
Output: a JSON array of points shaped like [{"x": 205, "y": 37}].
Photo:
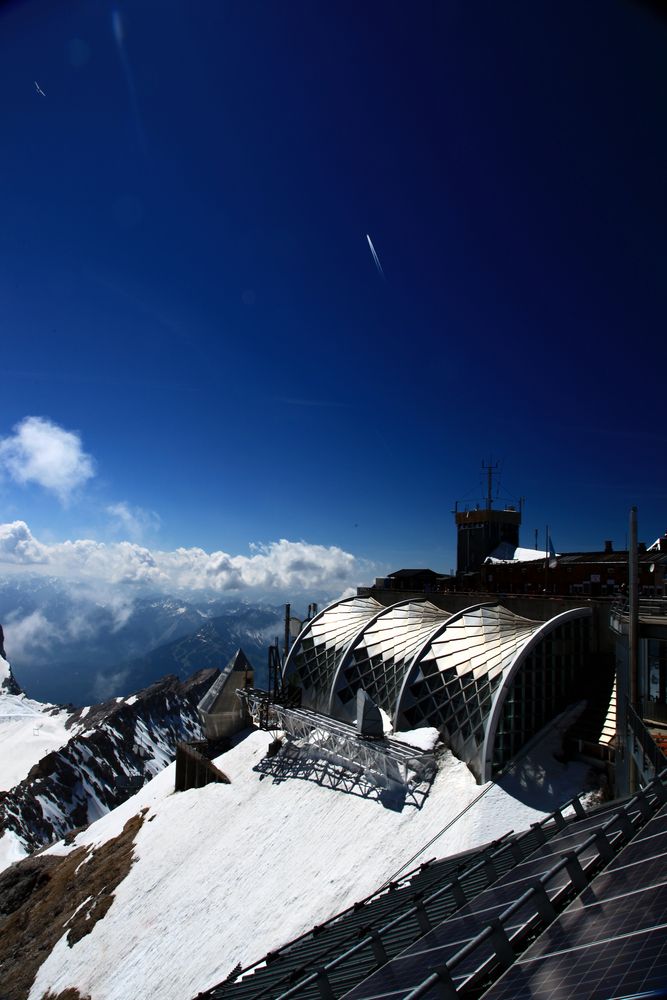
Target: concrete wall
[{"x": 227, "y": 714}]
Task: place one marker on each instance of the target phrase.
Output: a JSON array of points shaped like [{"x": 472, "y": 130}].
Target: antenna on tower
[{"x": 491, "y": 470}]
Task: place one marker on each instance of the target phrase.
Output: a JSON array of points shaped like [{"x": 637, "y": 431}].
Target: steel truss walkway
[{"x": 384, "y": 761}]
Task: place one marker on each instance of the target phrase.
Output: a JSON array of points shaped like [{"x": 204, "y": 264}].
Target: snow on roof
[
  {"x": 225, "y": 873},
  {"x": 514, "y": 553}
]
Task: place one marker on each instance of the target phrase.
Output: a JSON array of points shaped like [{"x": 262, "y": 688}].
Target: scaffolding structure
[{"x": 384, "y": 761}]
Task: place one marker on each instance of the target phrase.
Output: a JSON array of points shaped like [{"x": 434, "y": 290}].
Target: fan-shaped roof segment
[
  {"x": 381, "y": 654},
  {"x": 459, "y": 682},
  {"x": 510, "y": 673},
  {"x": 452, "y": 681},
  {"x": 316, "y": 654}
]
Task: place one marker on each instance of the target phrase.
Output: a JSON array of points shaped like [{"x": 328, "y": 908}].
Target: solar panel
[
  {"x": 612, "y": 940},
  {"x": 300, "y": 957},
  {"x": 654, "y": 829},
  {"x": 621, "y": 916},
  {"x": 620, "y": 967}
]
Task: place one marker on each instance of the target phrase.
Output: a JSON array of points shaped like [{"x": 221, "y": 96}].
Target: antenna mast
[{"x": 490, "y": 470}]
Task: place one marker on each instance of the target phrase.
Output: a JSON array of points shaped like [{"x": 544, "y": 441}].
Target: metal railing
[
  {"x": 373, "y": 941},
  {"x": 643, "y": 743},
  {"x": 655, "y": 711},
  {"x": 647, "y": 607},
  {"x": 506, "y": 947}
]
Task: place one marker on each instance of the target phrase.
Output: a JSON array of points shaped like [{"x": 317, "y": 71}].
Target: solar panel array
[
  {"x": 468, "y": 951},
  {"x": 612, "y": 940},
  {"x": 290, "y": 964},
  {"x": 375, "y": 930}
]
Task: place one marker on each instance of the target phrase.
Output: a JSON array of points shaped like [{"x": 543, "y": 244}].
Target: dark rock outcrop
[
  {"x": 123, "y": 745},
  {"x": 41, "y": 896},
  {"x": 8, "y": 683}
]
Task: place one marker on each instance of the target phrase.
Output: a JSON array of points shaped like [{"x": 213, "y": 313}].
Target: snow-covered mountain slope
[
  {"x": 202, "y": 880},
  {"x": 28, "y": 729},
  {"x": 97, "y": 755}
]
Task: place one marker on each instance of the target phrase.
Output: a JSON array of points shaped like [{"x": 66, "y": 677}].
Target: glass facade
[
  {"x": 544, "y": 685},
  {"x": 656, "y": 662}
]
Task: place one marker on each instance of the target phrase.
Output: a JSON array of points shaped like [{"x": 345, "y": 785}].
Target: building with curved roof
[{"x": 487, "y": 678}]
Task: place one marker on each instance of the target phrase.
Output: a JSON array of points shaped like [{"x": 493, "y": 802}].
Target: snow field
[
  {"x": 27, "y": 733},
  {"x": 11, "y": 849},
  {"x": 225, "y": 873}
]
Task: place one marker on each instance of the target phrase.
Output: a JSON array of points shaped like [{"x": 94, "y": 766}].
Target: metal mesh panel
[
  {"x": 380, "y": 657},
  {"x": 453, "y": 684},
  {"x": 316, "y": 656}
]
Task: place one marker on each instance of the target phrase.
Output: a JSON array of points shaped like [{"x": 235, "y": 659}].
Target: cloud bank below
[{"x": 278, "y": 569}]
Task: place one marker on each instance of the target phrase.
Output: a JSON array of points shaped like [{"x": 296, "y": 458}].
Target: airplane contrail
[
  {"x": 375, "y": 256},
  {"x": 39, "y": 89},
  {"x": 118, "y": 29}
]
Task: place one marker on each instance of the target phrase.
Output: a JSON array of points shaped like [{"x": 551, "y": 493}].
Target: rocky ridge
[{"x": 114, "y": 749}]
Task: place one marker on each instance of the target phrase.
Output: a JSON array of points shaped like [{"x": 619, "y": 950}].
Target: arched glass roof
[
  {"x": 378, "y": 658},
  {"x": 452, "y": 682},
  {"x": 315, "y": 656},
  {"x": 428, "y": 667}
]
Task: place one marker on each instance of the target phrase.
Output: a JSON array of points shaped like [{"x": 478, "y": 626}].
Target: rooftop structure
[
  {"x": 220, "y": 711},
  {"x": 481, "y": 527},
  {"x": 487, "y": 678}
]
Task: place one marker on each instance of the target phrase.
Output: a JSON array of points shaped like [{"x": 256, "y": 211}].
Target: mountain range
[{"x": 70, "y": 645}]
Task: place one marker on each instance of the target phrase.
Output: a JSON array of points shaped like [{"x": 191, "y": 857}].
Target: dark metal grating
[{"x": 469, "y": 951}]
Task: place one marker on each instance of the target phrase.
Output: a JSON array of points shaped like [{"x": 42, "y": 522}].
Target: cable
[{"x": 439, "y": 834}]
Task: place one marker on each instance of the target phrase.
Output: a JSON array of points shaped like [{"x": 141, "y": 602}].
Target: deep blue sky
[{"x": 185, "y": 279}]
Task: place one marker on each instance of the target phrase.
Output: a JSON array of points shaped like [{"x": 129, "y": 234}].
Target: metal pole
[
  {"x": 546, "y": 557},
  {"x": 633, "y": 611},
  {"x": 288, "y": 608}
]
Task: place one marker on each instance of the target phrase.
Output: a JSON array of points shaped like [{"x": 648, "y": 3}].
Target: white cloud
[
  {"x": 277, "y": 569},
  {"x": 106, "y": 685},
  {"x": 31, "y": 636},
  {"x": 18, "y": 546},
  {"x": 134, "y": 522},
  {"x": 41, "y": 452}
]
